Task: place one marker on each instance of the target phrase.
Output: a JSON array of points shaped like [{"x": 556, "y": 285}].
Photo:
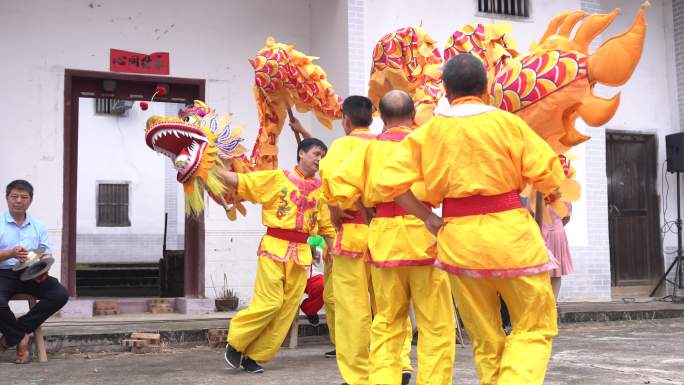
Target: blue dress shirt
[{"x": 31, "y": 235}]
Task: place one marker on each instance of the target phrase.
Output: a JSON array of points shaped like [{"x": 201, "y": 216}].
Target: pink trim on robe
[{"x": 497, "y": 273}]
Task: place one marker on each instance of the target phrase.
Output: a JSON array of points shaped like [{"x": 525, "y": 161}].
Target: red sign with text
[{"x": 124, "y": 61}]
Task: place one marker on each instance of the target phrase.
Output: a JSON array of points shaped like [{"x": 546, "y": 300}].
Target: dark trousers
[{"x": 52, "y": 295}]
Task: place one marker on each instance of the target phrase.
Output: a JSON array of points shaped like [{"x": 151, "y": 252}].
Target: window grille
[
  {"x": 112, "y": 205},
  {"x": 109, "y": 106},
  {"x": 518, "y": 8}
]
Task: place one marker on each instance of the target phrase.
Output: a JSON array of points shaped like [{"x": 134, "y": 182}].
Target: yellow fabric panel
[
  {"x": 352, "y": 318},
  {"x": 397, "y": 239},
  {"x": 260, "y": 330},
  {"x": 522, "y": 357},
  {"x": 329, "y": 300},
  {"x": 257, "y": 187},
  {"x": 338, "y": 152},
  {"x": 285, "y": 206},
  {"x": 351, "y": 241},
  {"x": 344, "y": 186},
  {"x": 486, "y": 154},
  {"x": 428, "y": 288},
  {"x": 325, "y": 227}
]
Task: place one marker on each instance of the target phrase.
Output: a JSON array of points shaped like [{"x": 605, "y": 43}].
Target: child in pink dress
[{"x": 557, "y": 242}]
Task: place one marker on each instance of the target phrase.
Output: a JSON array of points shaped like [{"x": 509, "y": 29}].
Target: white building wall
[
  {"x": 208, "y": 40},
  {"x": 215, "y": 46},
  {"x": 112, "y": 151}
]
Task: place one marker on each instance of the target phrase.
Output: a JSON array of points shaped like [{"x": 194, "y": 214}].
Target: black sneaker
[
  {"x": 405, "y": 377},
  {"x": 250, "y": 366},
  {"x": 331, "y": 354},
  {"x": 313, "y": 319},
  {"x": 232, "y": 357}
]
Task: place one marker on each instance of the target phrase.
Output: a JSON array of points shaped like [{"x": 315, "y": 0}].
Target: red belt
[
  {"x": 287, "y": 235},
  {"x": 357, "y": 218},
  {"x": 481, "y": 204},
  {"x": 391, "y": 209}
]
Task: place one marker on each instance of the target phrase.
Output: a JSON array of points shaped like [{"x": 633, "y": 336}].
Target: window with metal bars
[
  {"x": 112, "y": 205},
  {"x": 109, "y": 106},
  {"x": 520, "y": 8}
]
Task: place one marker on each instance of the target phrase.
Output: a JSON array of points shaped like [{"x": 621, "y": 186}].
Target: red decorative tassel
[{"x": 144, "y": 106}]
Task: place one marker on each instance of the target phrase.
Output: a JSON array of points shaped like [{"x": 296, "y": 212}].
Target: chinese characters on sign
[{"x": 124, "y": 61}]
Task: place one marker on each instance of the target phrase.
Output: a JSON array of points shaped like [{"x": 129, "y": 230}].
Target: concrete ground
[{"x": 622, "y": 352}]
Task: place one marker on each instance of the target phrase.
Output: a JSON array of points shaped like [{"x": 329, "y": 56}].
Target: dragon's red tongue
[{"x": 183, "y": 152}]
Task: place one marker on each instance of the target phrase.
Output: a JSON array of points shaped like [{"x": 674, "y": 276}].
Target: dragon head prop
[
  {"x": 199, "y": 143},
  {"x": 553, "y": 85}
]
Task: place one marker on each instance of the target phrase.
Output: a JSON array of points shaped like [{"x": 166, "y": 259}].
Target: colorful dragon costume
[
  {"x": 553, "y": 85},
  {"x": 200, "y": 143},
  {"x": 549, "y": 88},
  {"x": 286, "y": 77},
  {"x": 407, "y": 59}
]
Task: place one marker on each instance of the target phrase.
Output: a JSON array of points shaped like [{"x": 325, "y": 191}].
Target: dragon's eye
[{"x": 190, "y": 119}]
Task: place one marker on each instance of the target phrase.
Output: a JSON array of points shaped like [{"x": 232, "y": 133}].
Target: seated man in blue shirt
[{"x": 19, "y": 233}]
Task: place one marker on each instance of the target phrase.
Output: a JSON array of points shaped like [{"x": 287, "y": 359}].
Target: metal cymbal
[
  {"x": 33, "y": 256},
  {"x": 37, "y": 269}
]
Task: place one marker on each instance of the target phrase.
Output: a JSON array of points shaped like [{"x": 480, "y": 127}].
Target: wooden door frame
[
  {"x": 652, "y": 191},
  {"x": 81, "y": 83}
]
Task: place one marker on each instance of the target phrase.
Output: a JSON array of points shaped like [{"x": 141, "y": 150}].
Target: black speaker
[{"x": 674, "y": 149}]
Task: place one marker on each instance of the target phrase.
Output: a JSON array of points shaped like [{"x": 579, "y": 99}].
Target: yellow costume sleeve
[
  {"x": 540, "y": 165},
  {"x": 335, "y": 155},
  {"x": 345, "y": 186},
  {"x": 260, "y": 186},
  {"x": 415, "y": 159},
  {"x": 325, "y": 227}
]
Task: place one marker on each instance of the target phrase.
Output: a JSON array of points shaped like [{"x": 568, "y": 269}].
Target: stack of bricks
[
  {"x": 106, "y": 307},
  {"x": 159, "y": 305},
  {"x": 141, "y": 343},
  {"x": 217, "y": 337}
]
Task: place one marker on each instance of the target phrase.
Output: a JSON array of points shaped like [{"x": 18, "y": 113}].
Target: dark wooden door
[{"x": 633, "y": 209}]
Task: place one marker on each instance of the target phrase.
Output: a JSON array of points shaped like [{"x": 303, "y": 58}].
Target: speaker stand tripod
[{"x": 678, "y": 263}]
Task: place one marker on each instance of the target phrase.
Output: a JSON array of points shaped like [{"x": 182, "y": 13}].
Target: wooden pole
[
  {"x": 539, "y": 208},
  {"x": 291, "y": 116}
]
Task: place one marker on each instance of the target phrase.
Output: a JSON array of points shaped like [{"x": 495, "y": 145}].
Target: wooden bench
[{"x": 38, "y": 336}]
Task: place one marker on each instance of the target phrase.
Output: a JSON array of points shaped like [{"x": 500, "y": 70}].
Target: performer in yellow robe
[
  {"x": 291, "y": 211},
  {"x": 402, "y": 262},
  {"x": 475, "y": 159},
  {"x": 351, "y": 272}
]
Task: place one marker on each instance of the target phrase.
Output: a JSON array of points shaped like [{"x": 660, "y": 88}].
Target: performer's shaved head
[
  {"x": 396, "y": 105},
  {"x": 464, "y": 75}
]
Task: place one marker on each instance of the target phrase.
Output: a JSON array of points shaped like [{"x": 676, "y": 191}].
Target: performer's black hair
[
  {"x": 359, "y": 109},
  {"x": 19, "y": 184},
  {"x": 306, "y": 144},
  {"x": 464, "y": 75}
]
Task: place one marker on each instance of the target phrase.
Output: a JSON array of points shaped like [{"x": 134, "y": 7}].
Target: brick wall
[
  {"x": 118, "y": 248},
  {"x": 678, "y": 23},
  {"x": 678, "y": 33},
  {"x": 357, "y": 49},
  {"x": 591, "y": 280}
]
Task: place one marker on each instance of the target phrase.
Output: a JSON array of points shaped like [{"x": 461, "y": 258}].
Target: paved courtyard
[{"x": 633, "y": 352}]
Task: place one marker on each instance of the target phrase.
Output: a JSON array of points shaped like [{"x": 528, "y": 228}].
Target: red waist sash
[
  {"x": 391, "y": 209},
  {"x": 287, "y": 235},
  {"x": 481, "y": 204},
  {"x": 357, "y": 217}
]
